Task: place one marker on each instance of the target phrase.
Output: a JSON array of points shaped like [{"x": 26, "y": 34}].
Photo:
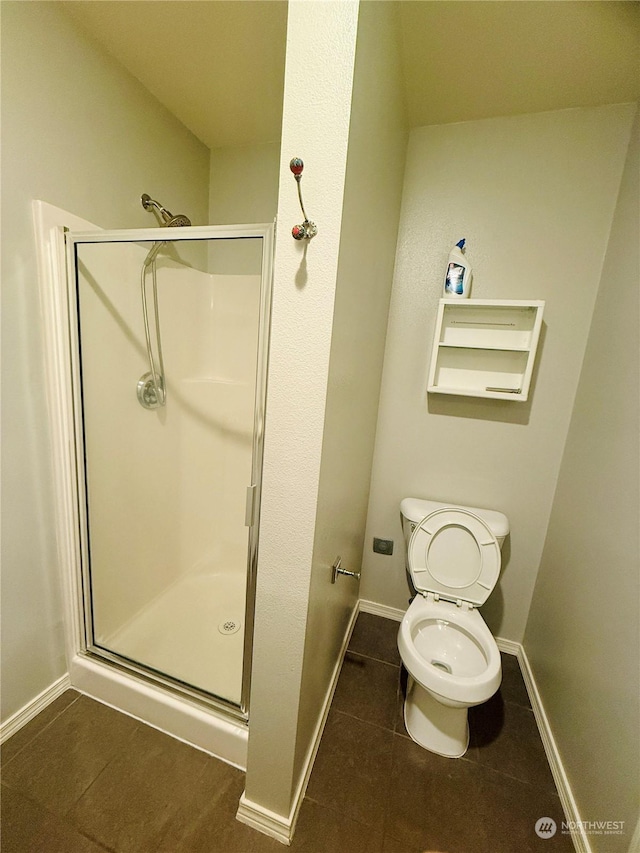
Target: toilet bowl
[
  {"x": 453, "y": 561},
  {"x": 453, "y": 663}
]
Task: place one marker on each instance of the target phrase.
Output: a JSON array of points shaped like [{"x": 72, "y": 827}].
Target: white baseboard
[
  {"x": 269, "y": 822},
  {"x": 578, "y": 836},
  {"x": 375, "y": 609},
  {"x": 16, "y": 721},
  {"x": 315, "y": 744},
  {"x": 509, "y": 647},
  {"x": 265, "y": 821}
]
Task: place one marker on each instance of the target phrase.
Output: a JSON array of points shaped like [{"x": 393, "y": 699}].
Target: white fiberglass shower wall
[{"x": 167, "y": 505}]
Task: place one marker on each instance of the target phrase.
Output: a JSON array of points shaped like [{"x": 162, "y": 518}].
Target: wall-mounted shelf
[{"x": 485, "y": 347}]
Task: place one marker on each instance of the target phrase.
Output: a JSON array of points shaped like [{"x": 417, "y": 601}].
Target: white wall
[
  {"x": 375, "y": 165},
  {"x": 243, "y": 189},
  {"x": 78, "y": 132},
  {"x": 320, "y": 35},
  {"x": 243, "y": 184},
  {"x": 534, "y": 196},
  {"x": 582, "y": 636}
]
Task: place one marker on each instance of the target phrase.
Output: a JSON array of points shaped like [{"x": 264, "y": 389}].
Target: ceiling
[
  {"x": 218, "y": 65},
  {"x": 471, "y": 60}
]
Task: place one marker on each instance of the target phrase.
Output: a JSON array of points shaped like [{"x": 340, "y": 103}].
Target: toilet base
[{"x": 434, "y": 726}]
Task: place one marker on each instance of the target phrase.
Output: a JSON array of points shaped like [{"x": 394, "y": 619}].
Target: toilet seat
[{"x": 454, "y": 554}]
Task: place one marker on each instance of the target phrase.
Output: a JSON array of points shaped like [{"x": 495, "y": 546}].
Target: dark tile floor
[{"x": 83, "y": 778}]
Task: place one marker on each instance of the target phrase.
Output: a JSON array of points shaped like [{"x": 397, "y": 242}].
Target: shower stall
[{"x": 168, "y": 345}]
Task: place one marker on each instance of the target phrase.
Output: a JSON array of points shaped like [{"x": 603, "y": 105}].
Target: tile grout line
[
  {"x": 40, "y": 731},
  {"x": 360, "y": 720},
  {"x": 67, "y": 813},
  {"x": 534, "y": 786},
  {"x": 341, "y": 814},
  {"x": 369, "y": 657},
  {"x": 171, "y": 812},
  {"x": 59, "y": 817},
  {"x": 385, "y": 817}
]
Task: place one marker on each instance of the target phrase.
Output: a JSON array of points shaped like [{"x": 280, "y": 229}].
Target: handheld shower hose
[{"x": 152, "y": 387}]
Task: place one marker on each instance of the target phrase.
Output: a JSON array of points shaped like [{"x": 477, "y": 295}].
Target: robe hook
[{"x": 308, "y": 229}]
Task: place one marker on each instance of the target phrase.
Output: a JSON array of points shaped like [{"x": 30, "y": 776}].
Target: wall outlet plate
[{"x": 383, "y": 546}]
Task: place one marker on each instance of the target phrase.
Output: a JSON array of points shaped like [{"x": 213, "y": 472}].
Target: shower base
[
  {"x": 193, "y": 632},
  {"x": 204, "y": 728},
  {"x": 180, "y": 633}
]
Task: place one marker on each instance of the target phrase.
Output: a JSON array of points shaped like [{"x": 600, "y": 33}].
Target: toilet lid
[{"x": 454, "y": 553}]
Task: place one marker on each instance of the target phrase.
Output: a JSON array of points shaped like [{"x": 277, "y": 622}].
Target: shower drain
[{"x": 229, "y": 627}]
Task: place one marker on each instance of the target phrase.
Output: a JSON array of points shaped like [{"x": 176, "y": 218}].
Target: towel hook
[{"x": 308, "y": 229}]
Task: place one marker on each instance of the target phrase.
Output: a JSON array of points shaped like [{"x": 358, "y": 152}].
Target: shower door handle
[{"x": 250, "y": 505}]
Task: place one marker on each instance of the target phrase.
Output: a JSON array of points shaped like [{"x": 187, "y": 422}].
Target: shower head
[
  {"x": 168, "y": 219},
  {"x": 179, "y": 221}
]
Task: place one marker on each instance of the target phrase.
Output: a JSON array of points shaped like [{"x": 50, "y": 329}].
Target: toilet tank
[{"x": 413, "y": 510}]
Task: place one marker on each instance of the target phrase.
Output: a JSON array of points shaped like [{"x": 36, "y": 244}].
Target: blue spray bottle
[{"x": 457, "y": 279}]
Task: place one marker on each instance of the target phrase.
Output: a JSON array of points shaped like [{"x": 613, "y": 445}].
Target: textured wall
[
  {"x": 243, "y": 188},
  {"x": 375, "y": 164},
  {"x": 80, "y": 133},
  {"x": 582, "y": 636},
  {"x": 320, "y": 35},
  {"x": 534, "y": 196},
  {"x": 243, "y": 184}
]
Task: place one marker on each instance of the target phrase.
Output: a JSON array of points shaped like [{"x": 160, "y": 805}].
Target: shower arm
[
  {"x": 149, "y": 203},
  {"x": 168, "y": 219}
]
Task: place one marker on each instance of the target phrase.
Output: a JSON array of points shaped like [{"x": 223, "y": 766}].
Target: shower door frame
[{"x": 84, "y": 626}]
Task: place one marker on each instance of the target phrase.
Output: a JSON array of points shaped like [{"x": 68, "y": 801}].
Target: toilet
[{"x": 453, "y": 564}]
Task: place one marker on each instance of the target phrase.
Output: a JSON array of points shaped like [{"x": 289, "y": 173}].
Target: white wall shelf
[{"x": 485, "y": 348}]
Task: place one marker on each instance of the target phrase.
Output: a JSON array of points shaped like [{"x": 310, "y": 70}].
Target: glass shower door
[{"x": 169, "y": 433}]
